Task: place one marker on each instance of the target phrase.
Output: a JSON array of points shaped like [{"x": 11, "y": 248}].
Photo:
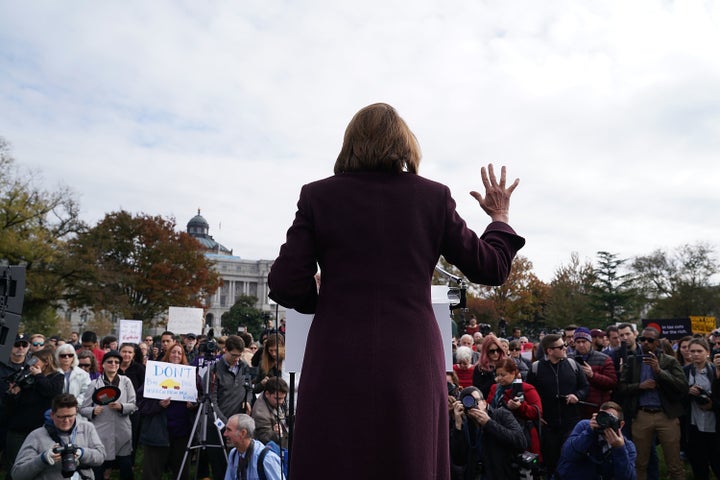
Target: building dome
[
  {"x": 199, "y": 229},
  {"x": 198, "y": 226}
]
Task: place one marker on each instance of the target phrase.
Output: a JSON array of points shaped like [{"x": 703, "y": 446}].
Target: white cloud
[{"x": 607, "y": 111}]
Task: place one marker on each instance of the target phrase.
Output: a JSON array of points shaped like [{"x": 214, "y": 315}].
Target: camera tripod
[{"x": 205, "y": 416}]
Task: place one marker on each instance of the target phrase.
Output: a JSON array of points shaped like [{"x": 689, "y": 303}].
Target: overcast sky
[{"x": 609, "y": 112}]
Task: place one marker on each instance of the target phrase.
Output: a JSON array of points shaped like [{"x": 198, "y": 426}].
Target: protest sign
[
  {"x": 670, "y": 328},
  {"x": 130, "y": 331},
  {"x": 169, "y": 380},
  {"x": 182, "y": 320}
]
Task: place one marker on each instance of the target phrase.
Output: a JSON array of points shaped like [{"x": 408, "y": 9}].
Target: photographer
[
  {"x": 30, "y": 393},
  {"x": 597, "y": 449},
  {"x": 484, "y": 442},
  {"x": 8, "y": 371},
  {"x": 231, "y": 393},
  {"x": 520, "y": 398},
  {"x": 61, "y": 446},
  {"x": 700, "y": 411}
]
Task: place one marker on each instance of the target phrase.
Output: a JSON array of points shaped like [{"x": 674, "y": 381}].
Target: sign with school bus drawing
[{"x": 169, "y": 380}]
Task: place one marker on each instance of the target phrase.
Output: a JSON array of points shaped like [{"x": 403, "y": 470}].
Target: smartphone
[{"x": 580, "y": 360}]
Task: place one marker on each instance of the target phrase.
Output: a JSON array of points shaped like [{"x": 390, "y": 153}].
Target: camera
[
  {"x": 68, "y": 463},
  {"x": 452, "y": 389},
  {"x": 469, "y": 402},
  {"x": 23, "y": 377},
  {"x": 209, "y": 346},
  {"x": 607, "y": 420},
  {"x": 703, "y": 398}
]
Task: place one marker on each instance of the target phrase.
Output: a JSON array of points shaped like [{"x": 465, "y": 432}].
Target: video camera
[
  {"x": 68, "y": 462},
  {"x": 209, "y": 346},
  {"x": 23, "y": 377}
]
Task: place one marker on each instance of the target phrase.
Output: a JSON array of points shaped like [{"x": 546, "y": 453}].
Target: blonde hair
[{"x": 378, "y": 139}]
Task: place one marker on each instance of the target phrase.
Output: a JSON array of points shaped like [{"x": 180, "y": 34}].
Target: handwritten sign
[
  {"x": 182, "y": 320},
  {"x": 702, "y": 325},
  {"x": 169, "y": 380},
  {"x": 130, "y": 331}
]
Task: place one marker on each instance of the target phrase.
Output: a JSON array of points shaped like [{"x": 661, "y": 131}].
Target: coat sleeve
[
  {"x": 83, "y": 380},
  {"x": 671, "y": 377},
  {"x": 604, "y": 378},
  {"x": 627, "y": 387},
  {"x": 50, "y": 385},
  {"x": 578, "y": 444},
  {"x": 291, "y": 278},
  {"x": 582, "y": 383},
  {"x": 484, "y": 260},
  {"x": 129, "y": 405},
  {"x": 624, "y": 461},
  {"x": 504, "y": 428},
  {"x": 94, "y": 453},
  {"x": 29, "y": 462},
  {"x": 528, "y": 408},
  {"x": 87, "y": 406}
]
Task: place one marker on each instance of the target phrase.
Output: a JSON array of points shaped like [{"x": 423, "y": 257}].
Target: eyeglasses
[
  {"x": 558, "y": 347},
  {"x": 38, "y": 344},
  {"x": 112, "y": 361},
  {"x": 493, "y": 350},
  {"x": 21, "y": 345},
  {"x": 84, "y": 365},
  {"x": 66, "y": 355},
  {"x": 66, "y": 417},
  {"x": 646, "y": 339},
  {"x": 513, "y": 349}
]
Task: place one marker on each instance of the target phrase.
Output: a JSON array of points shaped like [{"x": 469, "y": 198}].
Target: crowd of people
[
  {"x": 83, "y": 398},
  {"x": 592, "y": 403}
]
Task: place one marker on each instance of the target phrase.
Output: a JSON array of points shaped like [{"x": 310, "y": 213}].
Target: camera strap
[{"x": 53, "y": 432}]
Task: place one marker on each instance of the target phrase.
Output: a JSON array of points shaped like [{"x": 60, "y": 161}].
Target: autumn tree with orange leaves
[{"x": 136, "y": 266}]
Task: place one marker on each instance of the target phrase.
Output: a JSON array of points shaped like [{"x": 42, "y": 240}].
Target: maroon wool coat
[{"x": 372, "y": 400}]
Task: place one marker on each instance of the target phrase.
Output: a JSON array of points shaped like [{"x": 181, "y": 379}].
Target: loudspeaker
[
  {"x": 12, "y": 294},
  {"x": 8, "y": 331}
]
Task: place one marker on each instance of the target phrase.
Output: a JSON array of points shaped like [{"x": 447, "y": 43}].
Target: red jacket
[{"x": 527, "y": 411}]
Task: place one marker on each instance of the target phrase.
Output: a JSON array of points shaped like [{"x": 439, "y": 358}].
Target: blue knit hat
[{"x": 583, "y": 333}]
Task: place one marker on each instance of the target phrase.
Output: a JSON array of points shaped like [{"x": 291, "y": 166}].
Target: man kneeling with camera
[
  {"x": 62, "y": 447},
  {"x": 597, "y": 450},
  {"x": 484, "y": 441}
]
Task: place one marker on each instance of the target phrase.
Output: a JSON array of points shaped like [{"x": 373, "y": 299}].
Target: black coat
[{"x": 495, "y": 446}]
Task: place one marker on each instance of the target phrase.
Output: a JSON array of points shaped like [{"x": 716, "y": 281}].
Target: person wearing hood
[{"x": 40, "y": 456}]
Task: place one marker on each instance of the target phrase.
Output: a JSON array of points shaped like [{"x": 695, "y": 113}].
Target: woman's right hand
[
  {"x": 97, "y": 410},
  {"x": 496, "y": 201}
]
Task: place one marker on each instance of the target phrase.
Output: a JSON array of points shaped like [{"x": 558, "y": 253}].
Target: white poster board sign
[
  {"x": 130, "y": 331},
  {"x": 169, "y": 380},
  {"x": 441, "y": 308},
  {"x": 298, "y": 325},
  {"x": 182, "y": 320}
]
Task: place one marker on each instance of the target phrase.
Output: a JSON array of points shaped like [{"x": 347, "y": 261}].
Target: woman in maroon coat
[{"x": 372, "y": 401}]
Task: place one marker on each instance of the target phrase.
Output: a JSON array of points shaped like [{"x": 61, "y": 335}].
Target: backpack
[
  {"x": 280, "y": 452},
  {"x": 571, "y": 361}
]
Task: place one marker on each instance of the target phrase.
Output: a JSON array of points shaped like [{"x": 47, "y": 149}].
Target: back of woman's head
[{"x": 378, "y": 139}]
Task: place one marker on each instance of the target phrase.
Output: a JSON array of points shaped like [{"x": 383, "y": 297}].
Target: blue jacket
[
  {"x": 582, "y": 456},
  {"x": 273, "y": 469}
]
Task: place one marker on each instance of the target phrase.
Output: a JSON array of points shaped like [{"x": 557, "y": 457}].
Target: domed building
[{"x": 240, "y": 276}]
